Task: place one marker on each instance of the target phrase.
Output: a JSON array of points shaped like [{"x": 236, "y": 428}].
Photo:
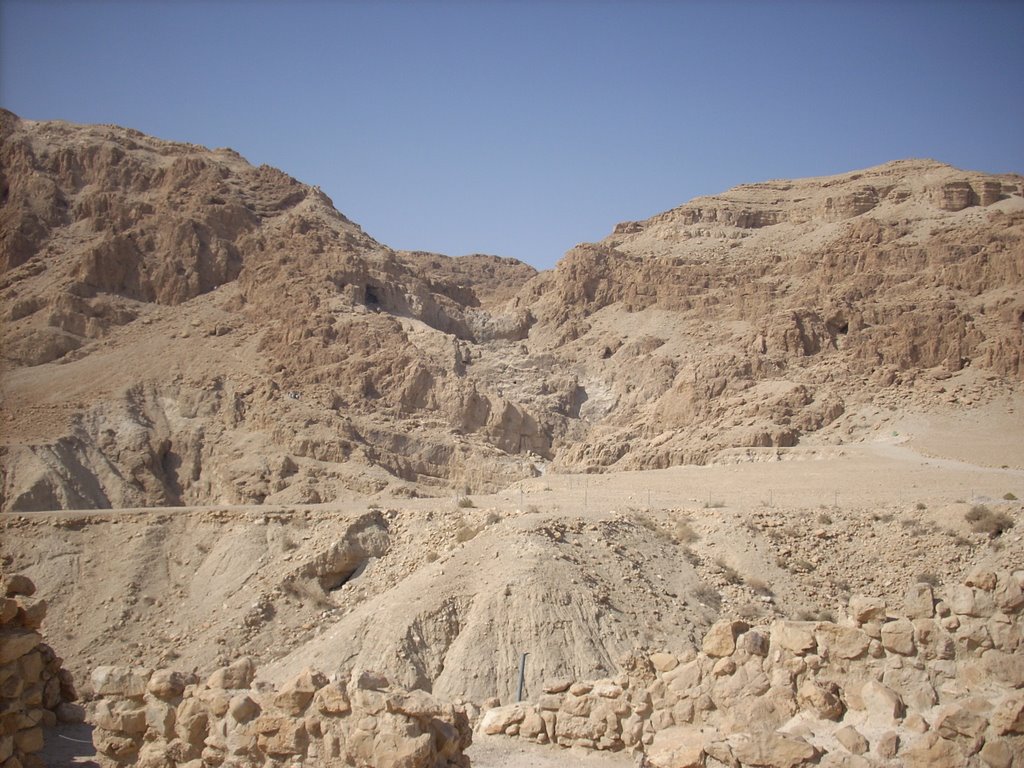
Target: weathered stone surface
[
  {"x": 721, "y": 638},
  {"x": 771, "y": 749},
  {"x": 864, "y": 609},
  {"x": 882, "y": 704},
  {"x": 823, "y": 699},
  {"x": 677, "y": 747},
  {"x": 15, "y": 643},
  {"x": 997, "y": 753},
  {"x": 498, "y": 719},
  {"x": 852, "y": 740},
  {"x": 932, "y": 751},
  {"x": 237, "y": 675},
  {"x": 898, "y": 636},
  {"x": 843, "y": 642},
  {"x": 297, "y": 694},
  {"x": 15, "y": 584},
  {"x": 795, "y": 636},
  {"x": 165, "y": 684},
  {"x": 920, "y": 601},
  {"x": 129, "y": 682},
  {"x": 662, "y": 662}
]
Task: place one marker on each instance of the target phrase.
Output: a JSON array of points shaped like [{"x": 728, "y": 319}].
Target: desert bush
[
  {"x": 728, "y": 572},
  {"x": 960, "y": 541},
  {"x": 984, "y": 520},
  {"x": 691, "y": 557},
  {"x": 466, "y": 503},
  {"x": 708, "y": 596},
  {"x": 920, "y": 505},
  {"x": 492, "y": 518},
  {"x": 825, "y": 518},
  {"x": 807, "y": 614},
  {"x": 928, "y": 578},
  {"x": 714, "y": 504},
  {"x": 801, "y": 566},
  {"x": 432, "y": 556},
  {"x": 683, "y": 533},
  {"x": 882, "y": 517},
  {"x": 1009, "y": 496},
  {"x": 759, "y": 586}
]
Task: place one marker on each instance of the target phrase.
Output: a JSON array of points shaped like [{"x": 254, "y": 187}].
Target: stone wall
[
  {"x": 939, "y": 685},
  {"x": 165, "y": 719},
  {"x": 34, "y": 688}
]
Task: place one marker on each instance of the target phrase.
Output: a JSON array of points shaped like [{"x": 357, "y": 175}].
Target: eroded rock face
[
  {"x": 800, "y": 703},
  {"x": 362, "y": 722},
  {"x": 207, "y": 331}
]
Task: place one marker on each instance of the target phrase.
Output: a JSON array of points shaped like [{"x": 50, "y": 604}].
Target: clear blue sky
[{"x": 522, "y": 128}]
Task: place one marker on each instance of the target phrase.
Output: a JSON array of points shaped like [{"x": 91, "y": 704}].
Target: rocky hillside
[{"x": 180, "y": 327}]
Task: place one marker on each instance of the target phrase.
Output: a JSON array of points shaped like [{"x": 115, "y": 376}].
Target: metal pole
[{"x": 522, "y": 676}]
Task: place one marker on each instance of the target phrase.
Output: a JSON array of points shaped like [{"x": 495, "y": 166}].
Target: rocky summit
[{"x": 736, "y": 486}]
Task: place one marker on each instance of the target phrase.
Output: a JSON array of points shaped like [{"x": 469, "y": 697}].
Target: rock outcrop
[
  {"x": 939, "y": 686},
  {"x": 146, "y": 717},
  {"x": 181, "y": 327},
  {"x": 35, "y": 690}
]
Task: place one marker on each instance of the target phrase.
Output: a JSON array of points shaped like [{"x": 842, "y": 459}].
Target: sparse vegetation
[
  {"x": 683, "y": 533},
  {"x": 729, "y": 573},
  {"x": 882, "y": 517},
  {"x": 928, "y": 578},
  {"x": 750, "y": 611},
  {"x": 920, "y": 505},
  {"x": 432, "y": 556},
  {"x": 708, "y": 596},
  {"x": 759, "y": 586},
  {"x": 1009, "y": 496},
  {"x": 825, "y": 518},
  {"x": 714, "y": 504},
  {"x": 466, "y": 503},
  {"x": 984, "y": 520},
  {"x": 465, "y": 531}
]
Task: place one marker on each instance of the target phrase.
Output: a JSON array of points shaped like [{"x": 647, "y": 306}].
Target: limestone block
[
  {"x": 15, "y": 643},
  {"x": 754, "y": 642},
  {"x": 982, "y": 578},
  {"x": 932, "y": 751},
  {"x": 243, "y": 708},
  {"x": 887, "y": 745},
  {"x": 124, "y": 717},
  {"x": 721, "y": 638},
  {"x": 997, "y": 753},
  {"x": 1008, "y": 715},
  {"x": 297, "y": 694},
  {"x": 795, "y": 636},
  {"x": 852, "y": 740},
  {"x": 1009, "y": 597},
  {"x": 913, "y": 686},
  {"x": 332, "y": 699},
  {"x": 864, "y": 609},
  {"x": 677, "y": 747},
  {"x": 191, "y": 720},
  {"x": 160, "y": 719},
  {"x": 166, "y": 684},
  {"x": 418, "y": 704},
  {"x": 8, "y": 609},
  {"x": 496, "y": 720},
  {"x": 237, "y": 675},
  {"x": 966, "y": 601},
  {"x": 920, "y": 601},
  {"x": 842, "y": 642},
  {"x": 1008, "y": 668},
  {"x": 576, "y": 706},
  {"x": 898, "y": 636},
  {"x": 29, "y": 740},
  {"x": 560, "y": 685},
  {"x": 550, "y": 702},
  {"x": 290, "y": 739},
  {"x": 771, "y": 749},
  {"x": 32, "y": 612},
  {"x": 957, "y": 723},
  {"x": 663, "y": 662},
  {"x": 129, "y": 682},
  {"x": 17, "y": 584},
  {"x": 882, "y": 704},
  {"x": 532, "y": 725},
  {"x": 821, "y": 698}
]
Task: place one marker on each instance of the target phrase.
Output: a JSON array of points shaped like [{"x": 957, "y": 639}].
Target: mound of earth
[{"x": 182, "y": 328}]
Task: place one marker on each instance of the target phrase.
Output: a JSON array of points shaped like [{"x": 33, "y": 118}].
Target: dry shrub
[
  {"x": 1009, "y": 496},
  {"x": 929, "y": 578},
  {"x": 708, "y": 596},
  {"x": 466, "y": 503},
  {"x": 729, "y": 573},
  {"x": 759, "y": 586},
  {"x": 984, "y": 520},
  {"x": 683, "y": 533}
]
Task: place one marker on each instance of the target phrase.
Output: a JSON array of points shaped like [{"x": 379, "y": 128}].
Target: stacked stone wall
[
  {"x": 165, "y": 719},
  {"x": 35, "y": 690},
  {"x": 939, "y": 684}
]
